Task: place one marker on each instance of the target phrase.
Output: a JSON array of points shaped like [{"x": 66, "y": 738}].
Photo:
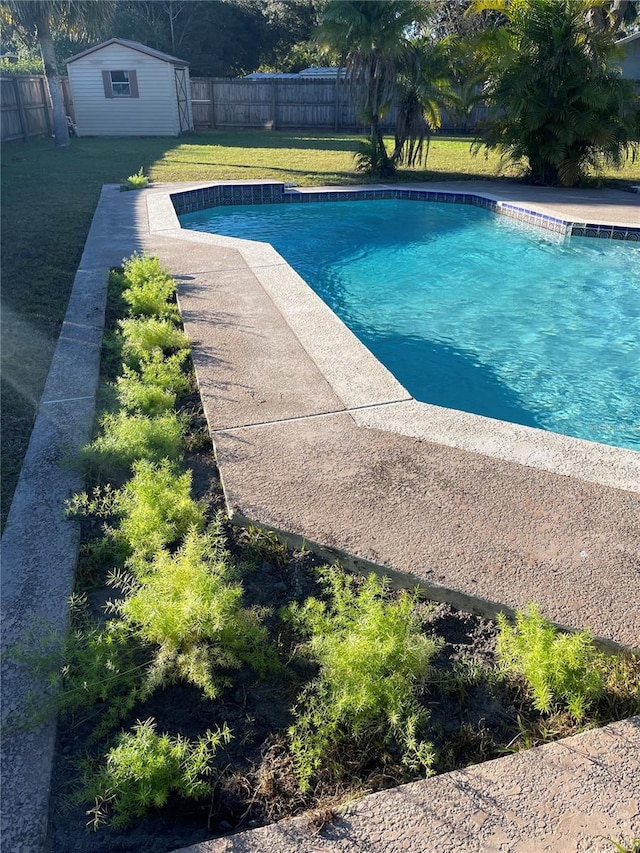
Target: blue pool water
[{"x": 470, "y": 310}]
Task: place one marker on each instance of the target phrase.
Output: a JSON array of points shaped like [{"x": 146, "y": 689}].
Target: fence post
[
  {"x": 212, "y": 109},
  {"x": 274, "y": 104},
  {"x": 21, "y": 111},
  {"x": 68, "y": 103},
  {"x": 45, "y": 106}
]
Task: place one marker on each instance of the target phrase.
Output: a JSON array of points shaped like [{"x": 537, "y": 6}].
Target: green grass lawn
[{"x": 48, "y": 199}]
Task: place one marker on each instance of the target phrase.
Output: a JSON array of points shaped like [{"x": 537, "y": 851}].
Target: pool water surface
[{"x": 470, "y": 310}]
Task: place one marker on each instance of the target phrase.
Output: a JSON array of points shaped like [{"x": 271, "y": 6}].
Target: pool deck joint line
[{"x": 315, "y": 439}]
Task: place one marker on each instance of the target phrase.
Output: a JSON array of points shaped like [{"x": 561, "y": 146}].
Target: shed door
[{"x": 181, "y": 92}]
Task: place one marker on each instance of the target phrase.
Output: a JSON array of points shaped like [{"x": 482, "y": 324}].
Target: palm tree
[
  {"x": 613, "y": 15},
  {"x": 560, "y": 103},
  {"x": 373, "y": 39},
  {"x": 425, "y": 86},
  {"x": 36, "y": 18}
]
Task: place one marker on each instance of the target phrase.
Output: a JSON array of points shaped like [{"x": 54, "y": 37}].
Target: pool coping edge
[{"x": 375, "y": 398}]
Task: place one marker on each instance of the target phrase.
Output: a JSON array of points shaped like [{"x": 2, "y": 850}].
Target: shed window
[{"x": 120, "y": 84}]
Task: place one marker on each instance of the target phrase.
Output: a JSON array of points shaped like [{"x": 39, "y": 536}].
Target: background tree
[
  {"x": 447, "y": 19},
  {"x": 614, "y": 15},
  {"x": 561, "y": 105},
  {"x": 218, "y": 39},
  {"x": 35, "y": 21},
  {"x": 292, "y": 24},
  {"x": 425, "y": 87},
  {"x": 226, "y": 37},
  {"x": 373, "y": 40}
]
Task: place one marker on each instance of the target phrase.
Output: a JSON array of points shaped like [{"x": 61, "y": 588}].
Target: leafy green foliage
[
  {"x": 155, "y": 508},
  {"x": 22, "y": 66},
  {"x": 371, "y": 657},
  {"x": 102, "y": 666},
  {"x": 125, "y": 438},
  {"x": 632, "y": 847},
  {"x": 149, "y": 287},
  {"x": 424, "y": 88},
  {"x": 560, "y": 103},
  {"x": 621, "y": 676},
  {"x": 155, "y": 386},
  {"x": 374, "y": 41},
  {"x": 144, "y": 768},
  {"x": 94, "y": 668},
  {"x": 372, "y": 159},
  {"x": 188, "y": 606},
  {"x": 136, "y": 182},
  {"x": 141, "y": 397},
  {"x": 143, "y": 336},
  {"x": 561, "y": 669},
  {"x": 140, "y": 268},
  {"x": 259, "y": 544}
]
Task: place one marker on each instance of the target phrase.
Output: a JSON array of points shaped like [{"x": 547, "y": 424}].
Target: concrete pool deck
[{"x": 315, "y": 439}]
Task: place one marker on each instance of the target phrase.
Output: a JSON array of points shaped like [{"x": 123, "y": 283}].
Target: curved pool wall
[
  {"x": 216, "y": 195},
  {"x": 374, "y": 397},
  {"x": 469, "y": 310}
]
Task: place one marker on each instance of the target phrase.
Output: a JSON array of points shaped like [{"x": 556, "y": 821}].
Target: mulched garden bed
[
  {"x": 474, "y": 716},
  {"x": 475, "y": 710}
]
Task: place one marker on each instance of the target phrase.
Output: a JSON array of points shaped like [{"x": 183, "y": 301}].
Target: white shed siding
[
  {"x": 631, "y": 62},
  {"x": 153, "y": 113}
]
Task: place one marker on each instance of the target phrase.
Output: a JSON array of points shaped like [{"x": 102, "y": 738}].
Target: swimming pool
[{"x": 470, "y": 311}]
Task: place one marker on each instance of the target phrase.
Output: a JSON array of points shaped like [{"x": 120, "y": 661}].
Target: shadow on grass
[
  {"x": 275, "y": 139},
  {"x": 347, "y": 176}
]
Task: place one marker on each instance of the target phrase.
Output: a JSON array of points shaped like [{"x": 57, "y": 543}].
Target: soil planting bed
[
  {"x": 474, "y": 715},
  {"x": 475, "y": 711}
]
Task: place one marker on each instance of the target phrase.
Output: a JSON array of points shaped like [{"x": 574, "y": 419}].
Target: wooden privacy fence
[
  {"x": 290, "y": 103},
  {"x": 272, "y": 103},
  {"x": 25, "y": 107}
]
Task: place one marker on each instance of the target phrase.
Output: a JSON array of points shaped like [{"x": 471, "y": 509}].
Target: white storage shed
[
  {"x": 123, "y": 88},
  {"x": 630, "y": 62}
]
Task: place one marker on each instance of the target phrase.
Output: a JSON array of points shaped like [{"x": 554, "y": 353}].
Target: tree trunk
[
  {"x": 618, "y": 11},
  {"x": 602, "y": 20},
  {"x": 171, "y": 20},
  {"x": 60, "y": 129}
]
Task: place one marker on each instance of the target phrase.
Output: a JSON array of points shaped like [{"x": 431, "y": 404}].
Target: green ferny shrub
[
  {"x": 144, "y": 768},
  {"x": 372, "y": 657},
  {"x": 152, "y": 389},
  {"x": 187, "y": 606},
  {"x": 142, "y": 336},
  {"x": 154, "y": 509},
  {"x": 126, "y": 438},
  {"x": 102, "y": 669},
  {"x": 93, "y": 667},
  {"x": 136, "y": 182},
  {"x": 561, "y": 669},
  {"x": 149, "y": 288}
]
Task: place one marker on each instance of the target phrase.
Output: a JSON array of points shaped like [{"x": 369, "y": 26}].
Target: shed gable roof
[
  {"x": 133, "y": 45},
  {"x": 629, "y": 39}
]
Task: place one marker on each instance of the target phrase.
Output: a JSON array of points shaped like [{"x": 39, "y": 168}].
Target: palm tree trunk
[
  {"x": 60, "y": 129},
  {"x": 602, "y": 19},
  {"x": 385, "y": 166},
  {"x": 618, "y": 11}
]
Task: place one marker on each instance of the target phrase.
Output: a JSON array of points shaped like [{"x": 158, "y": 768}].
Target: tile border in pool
[
  {"x": 373, "y": 397},
  {"x": 218, "y": 195}
]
